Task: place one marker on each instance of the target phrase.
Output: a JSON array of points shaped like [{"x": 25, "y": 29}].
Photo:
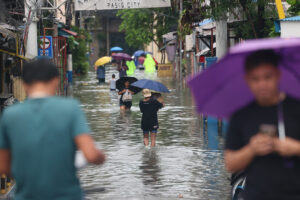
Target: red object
[
  {"x": 202, "y": 59},
  {"x": 155, "y": 60},
  {"x": 70, "y": 32},
  {"x": 141, "y": 60}
]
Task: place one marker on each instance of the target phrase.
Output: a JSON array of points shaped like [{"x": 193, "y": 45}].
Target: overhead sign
[
  {"x": 119, "y": 4},
  {"x": 45, "y": 46}
]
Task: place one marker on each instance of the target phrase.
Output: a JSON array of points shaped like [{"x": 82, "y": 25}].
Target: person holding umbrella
[
  {"x": 122, "y": 68},
  {"x": 101, "y": 74},
  {"x": 257, "y": 86},
  {"x": 126, "y": 97},
  {"x": 149, "y": 123},
  {"x": 99, "y": 67}
]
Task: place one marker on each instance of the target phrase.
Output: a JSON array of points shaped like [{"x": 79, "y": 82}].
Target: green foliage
[
  {"x": 79, "y": 47},
  {"x": 256, "y": 17},
  {"x": 142, "y": 26},
  {"x": 294, "y": 10}
]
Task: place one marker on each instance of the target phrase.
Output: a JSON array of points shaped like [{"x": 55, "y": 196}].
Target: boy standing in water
[
  {"x": 149, "y": 108},
  {"x": 113, "y": 83}
]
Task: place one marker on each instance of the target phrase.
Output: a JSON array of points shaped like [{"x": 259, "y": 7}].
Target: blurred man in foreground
[
  {"x": 272, "y": 165},
  {"x": 39, "y": 138}
]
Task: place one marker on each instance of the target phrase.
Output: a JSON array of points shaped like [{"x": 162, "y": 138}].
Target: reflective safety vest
[
  {"x": 131, "y": 68},
  {"x": 149, "y": 64}
]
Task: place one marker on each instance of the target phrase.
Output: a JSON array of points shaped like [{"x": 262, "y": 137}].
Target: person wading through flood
[
  {"x": 112, "y": 83},
  {"x": 39, "y": 138},
  {"x": 122, "y": 68},
  {"x": 101, "y": 74},
  {"x": 149, "y": 124},
  {"x": 126, "y": 97},
  {"x": 271, "y": 165}
]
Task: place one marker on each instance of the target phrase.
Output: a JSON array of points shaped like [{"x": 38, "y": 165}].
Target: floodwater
[{"x": 186, "y": 163}]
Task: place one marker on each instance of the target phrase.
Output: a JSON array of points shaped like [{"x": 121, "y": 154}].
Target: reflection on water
[{"x": 186, "y": 161}]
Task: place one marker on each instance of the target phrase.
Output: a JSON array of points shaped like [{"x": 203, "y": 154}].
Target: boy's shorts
[{"x": 151, "y": 131}]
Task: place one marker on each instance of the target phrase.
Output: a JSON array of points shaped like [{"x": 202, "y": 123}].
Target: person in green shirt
[{"x": 39, "y": 139}]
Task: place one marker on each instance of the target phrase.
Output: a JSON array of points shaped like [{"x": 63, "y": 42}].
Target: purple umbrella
[
  {"x": 121, "y": 56},
  {"x": 221, "y": 90}
]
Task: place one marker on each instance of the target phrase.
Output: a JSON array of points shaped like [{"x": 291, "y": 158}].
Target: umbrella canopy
[
  {"x": 102, "y": 61},
  {"x": 122, "y": 56},
  {"x": 116, "y": 49},
  {"x": 138, "y": 53},
  {"x": 221, "y": 90},
  {"x": 120, "y": 84},
  {"x": 151, "y": 85}
]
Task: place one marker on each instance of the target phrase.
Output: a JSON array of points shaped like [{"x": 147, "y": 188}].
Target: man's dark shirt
[
  {"x": 149, "y": 110},
  {"x": 268, "y": 177}
]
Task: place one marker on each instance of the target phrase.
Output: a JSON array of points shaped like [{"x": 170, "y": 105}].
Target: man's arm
[
  {"x": 259, "y": 145},
  {"x": 121, "y": 92},
  {"x": 86, "y": 144},
  {"x": 5, "y": 160}
]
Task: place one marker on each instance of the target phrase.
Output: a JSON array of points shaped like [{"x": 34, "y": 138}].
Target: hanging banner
[{"x": 119, "y": 4}]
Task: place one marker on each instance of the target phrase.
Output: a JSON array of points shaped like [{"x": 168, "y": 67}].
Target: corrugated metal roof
[{"x": 291, "y": 19}]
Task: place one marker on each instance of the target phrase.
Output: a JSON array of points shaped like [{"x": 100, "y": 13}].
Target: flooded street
[{"x": 185, "y": 161}]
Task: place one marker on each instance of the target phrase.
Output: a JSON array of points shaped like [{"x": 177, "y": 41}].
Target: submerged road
[{"x": 187, "y": 162}]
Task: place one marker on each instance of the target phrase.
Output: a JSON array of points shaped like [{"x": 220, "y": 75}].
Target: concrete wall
[{"x": 290, "y": 29}]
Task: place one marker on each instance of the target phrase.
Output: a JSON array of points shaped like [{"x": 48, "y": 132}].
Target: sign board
[
  {"x": 119, "y": 4},
  {"x": 165, "y": 70},
  {"x": 45, "y": 46}
]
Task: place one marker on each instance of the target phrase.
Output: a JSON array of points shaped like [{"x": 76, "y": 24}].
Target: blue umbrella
[
  {"x": 138, "y": 53},
  {"x": 116, "y": 49},
  {"x": 151, "y": 85}
]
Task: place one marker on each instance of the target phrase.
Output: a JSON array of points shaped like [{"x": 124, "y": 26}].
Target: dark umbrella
[
  {"x": 151, "y": 85},
  {"x": 121, "y": 56},
  {"x": 120, "y": 84}
]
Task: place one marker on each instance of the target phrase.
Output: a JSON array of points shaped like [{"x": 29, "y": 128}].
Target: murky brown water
[{"x": 185, "y": 162}]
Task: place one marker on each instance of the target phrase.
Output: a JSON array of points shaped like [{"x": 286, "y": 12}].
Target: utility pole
[
  {"x": 221, "y": 38},
  {"x": 107, "y": 36},
  {"x": 221, "y": 48},
  {"x": 194, "y": 50},
  {"x": 180, "y": 45},
  {"x": 31, "y": 15}
]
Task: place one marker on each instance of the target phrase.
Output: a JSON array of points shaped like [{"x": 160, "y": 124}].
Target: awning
[
  {"x": 66, "y": 33},
  {"x": 206, "y": 26},
  {"x": 4, "y": 29}
]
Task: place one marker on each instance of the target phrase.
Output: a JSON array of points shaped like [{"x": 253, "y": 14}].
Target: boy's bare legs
[
  {"x": 146, "y": 139},
  {"x": 153, "y": 139}
]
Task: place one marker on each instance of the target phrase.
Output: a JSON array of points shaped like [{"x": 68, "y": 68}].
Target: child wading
[
  {"x": 113, "y": 82},
  {"x": 149, "y": 107}
]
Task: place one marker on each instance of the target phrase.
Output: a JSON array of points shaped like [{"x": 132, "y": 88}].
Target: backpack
[{"x": 127, "y": 96}]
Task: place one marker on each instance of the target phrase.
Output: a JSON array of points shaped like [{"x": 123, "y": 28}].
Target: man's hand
[
  {"x": 287, "y": 147},
  {"x": 261, "y": 144},
  {"x": 86, "y": 144}
]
